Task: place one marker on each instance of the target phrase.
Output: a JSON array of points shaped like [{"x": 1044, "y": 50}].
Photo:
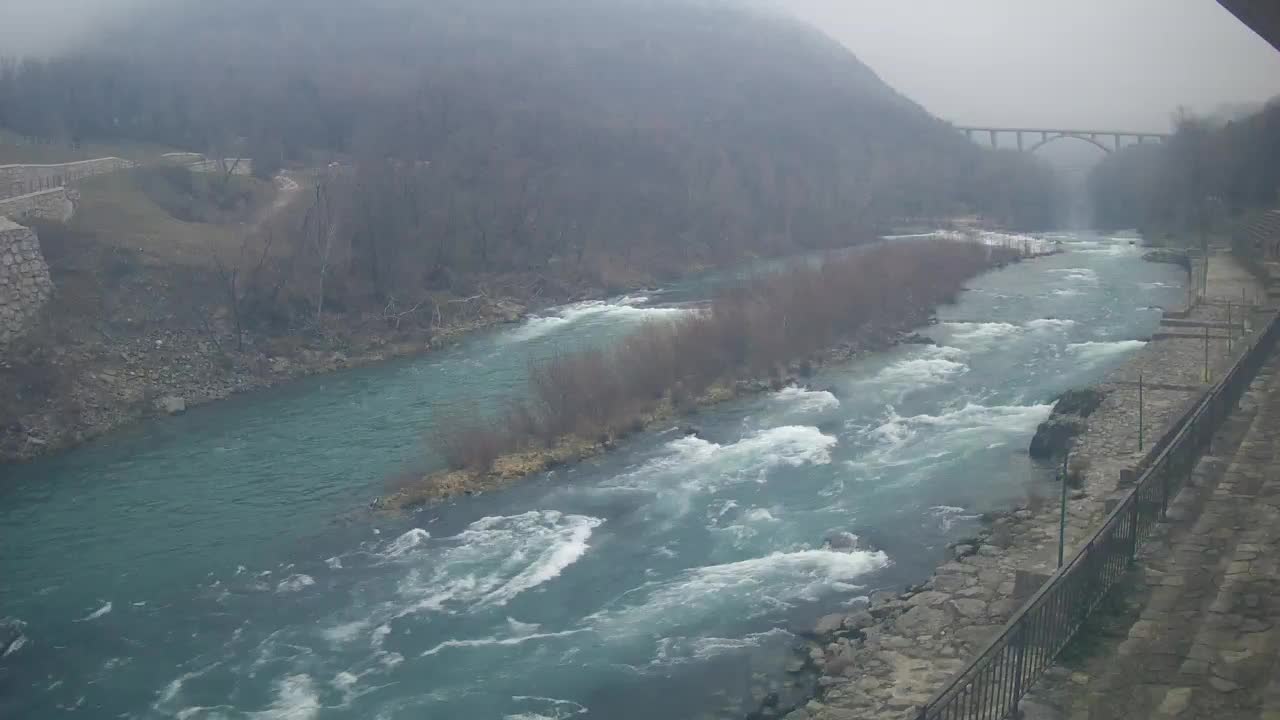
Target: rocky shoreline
[
  {"x": 165, "y": 372},
  {"x": 887, "y": 659}
]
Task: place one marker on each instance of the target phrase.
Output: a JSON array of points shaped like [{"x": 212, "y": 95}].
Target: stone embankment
[
  {"x": 25, "y": 179},
  {"x": 57, "y": 204},
  {"x": 886, "y": 660},
  {"x": 24, "y": 279}
]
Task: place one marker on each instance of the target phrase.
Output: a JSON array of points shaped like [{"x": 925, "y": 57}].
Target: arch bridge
[{"x": 1032, "y": 139}]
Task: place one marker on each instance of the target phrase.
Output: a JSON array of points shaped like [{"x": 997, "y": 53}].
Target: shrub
[{"x": 747, "y": 331}]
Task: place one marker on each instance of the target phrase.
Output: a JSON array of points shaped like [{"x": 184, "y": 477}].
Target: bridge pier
[
  {"x": 1019, "y": 141},
  {"x": 995, "y": 144}
]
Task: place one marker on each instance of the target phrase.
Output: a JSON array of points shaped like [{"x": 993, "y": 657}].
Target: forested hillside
[
  {"x": 613, "y": 139},
  {"x": 1205, "y": 174}
]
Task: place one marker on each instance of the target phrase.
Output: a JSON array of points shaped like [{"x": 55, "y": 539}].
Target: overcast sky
[{"x": 1113, "y": 64}]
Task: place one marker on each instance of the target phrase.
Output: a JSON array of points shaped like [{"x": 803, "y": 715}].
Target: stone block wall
[
  {"x": 25, "y": 285},
  {"x": 25, "y": 179},
  {"x": 56, "y": 204}
]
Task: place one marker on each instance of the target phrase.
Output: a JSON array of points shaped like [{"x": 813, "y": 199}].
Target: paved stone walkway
[{"x": 1200, "y": 638}]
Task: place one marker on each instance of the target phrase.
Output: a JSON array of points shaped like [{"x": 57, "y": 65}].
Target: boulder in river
[
  {"x": 1169, "y": 256},
  {"x": 1081, "y": 402},
  {"x": 171, "y": 405},
  {"x": 1055, "y": 435},
  {"x": 841, "y": 540}
]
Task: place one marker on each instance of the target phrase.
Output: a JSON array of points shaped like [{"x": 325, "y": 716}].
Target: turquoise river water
[{"x": 219, "y": 565}]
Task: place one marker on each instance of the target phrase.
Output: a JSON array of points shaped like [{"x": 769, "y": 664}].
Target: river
[{"x": 218, "y": 564}]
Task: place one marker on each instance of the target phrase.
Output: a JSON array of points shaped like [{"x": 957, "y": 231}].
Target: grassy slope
[{"x": 115, "y": 210}]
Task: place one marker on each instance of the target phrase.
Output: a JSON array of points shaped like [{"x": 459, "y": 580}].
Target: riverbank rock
[
  {"x": 171, "y": 405},
  {"x": 1055, "y": 436},
  {"x": 1175, "y": 257},
  {"x": 1082, "y": 402},
  {"x": 917, "y": 339}
]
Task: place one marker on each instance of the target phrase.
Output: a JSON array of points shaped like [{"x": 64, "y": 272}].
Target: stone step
[
  {"x": 1181, "y": 323},
  {"x": 1189, "y": 336}
]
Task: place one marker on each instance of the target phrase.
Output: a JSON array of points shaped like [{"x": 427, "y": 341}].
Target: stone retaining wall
[
  {"x": 24, "y": 279},
  {"x": 57, "y": 204},
  {"x": 25, "y": 179}
]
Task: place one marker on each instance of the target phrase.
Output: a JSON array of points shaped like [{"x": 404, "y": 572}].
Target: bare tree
[
  {"x": 231, "y": 277},
  {"x": 320, "y": 233}
]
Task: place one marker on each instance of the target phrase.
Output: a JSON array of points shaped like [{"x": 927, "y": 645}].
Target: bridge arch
[
  {"x": 1091, "y": 140},
  {"x": 1025, "y": 137}
]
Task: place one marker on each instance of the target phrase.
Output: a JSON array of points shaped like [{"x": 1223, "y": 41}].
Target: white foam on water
[
  {"x": 622, "y": 309},
  {"x": 981, "y": 332},
  {"x": 1156, "y": 285},
  {"x": 334, "y": 563},
  {"x": 379, "y": 635},
  {"x": 1049, "y": 324},
  {"x": 520, "y": 628},
  {"x": 295, "y": 583},
  {"x": 406, "y": 542},
  {"x": 1066, "y": 293},
  {"x": 743, "y": 589},
  {"x": 106, "y": 608},
  {"x": 494, "y": 560},
  {"x": 893, "y": 439},
  {"x": 693, "y": 465},
  {"x": 681, "y": 650},
  {"x": 500, "y": 642},
  {"x": 559, "y": 709},
  {"x": 15, "y": 645},
  {"x": 803, "y": 400},
  {"x": 1105, "y": 350},
  {"x": 933, "y": 365},
  {"x": 1083, "y": 276},
  {"x": 947, "y": 515},
  {"x": 174, "y": 688},
  {"x": 759, "y": 515},
  {"x": 296, "y": 699},
  {"x": 346, "y": 632}
]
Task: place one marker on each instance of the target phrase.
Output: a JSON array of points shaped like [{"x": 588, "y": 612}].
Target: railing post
[
  {"x": 1019, "y": 663},
  {"x": 1133, "y": 525},
  {"x": 1164, "y": 493}
]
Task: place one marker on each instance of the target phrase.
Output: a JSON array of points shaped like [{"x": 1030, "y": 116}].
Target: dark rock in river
[
  {"x": 917, "y": 339},
  {"x": 1180, "y": 259},
  {"x": 1079, "y": 402},
  {"x": 1055, "y": 436}
]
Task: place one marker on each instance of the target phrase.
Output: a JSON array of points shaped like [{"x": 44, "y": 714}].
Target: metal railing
[{"x": 990, "y": 687}]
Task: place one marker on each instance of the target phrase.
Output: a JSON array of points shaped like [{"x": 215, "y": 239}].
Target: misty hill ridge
[{"x": 615, "y": 138}]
